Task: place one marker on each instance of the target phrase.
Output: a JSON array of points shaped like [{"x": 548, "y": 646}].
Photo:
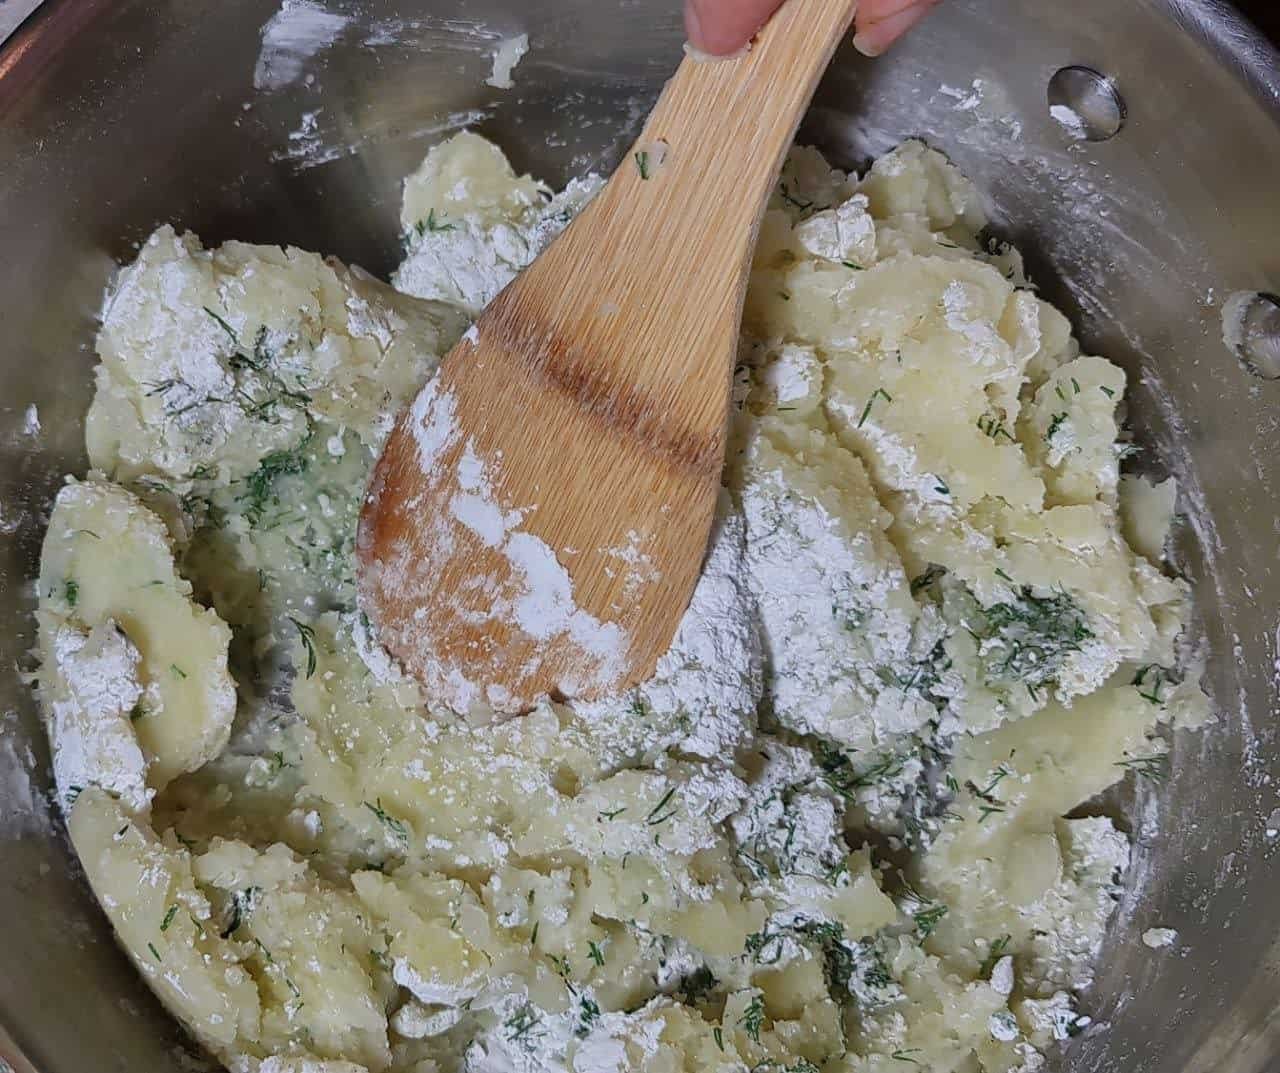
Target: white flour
[
  {"x": 93, "y": 741},
  {"x": 300, "y": 30},
  {"x": 1157, "y": 938},
  {"x": 705, "y": 690},
  {"x": 533, "y": 595},
  {"x": 508, "y": 53},
  {"x": 468, "y": 260}
]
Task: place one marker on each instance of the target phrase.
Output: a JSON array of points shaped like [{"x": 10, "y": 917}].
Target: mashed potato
[{"x": 829, "y": 834}]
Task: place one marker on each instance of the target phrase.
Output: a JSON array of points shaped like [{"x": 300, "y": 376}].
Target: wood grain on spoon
[{"x": 539, "y": 516}]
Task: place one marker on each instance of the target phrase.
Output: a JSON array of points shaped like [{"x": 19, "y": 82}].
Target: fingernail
[
  {"x": 876, "y": 39},
  {"x": 867, "y": 45},
  {"x": 693, "y": 26}
]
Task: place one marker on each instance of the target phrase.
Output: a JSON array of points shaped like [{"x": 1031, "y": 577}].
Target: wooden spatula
[{"x": 539, "y": 517}]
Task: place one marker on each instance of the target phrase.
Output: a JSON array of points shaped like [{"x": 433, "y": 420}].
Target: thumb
[{"x": 721, "y": 27}]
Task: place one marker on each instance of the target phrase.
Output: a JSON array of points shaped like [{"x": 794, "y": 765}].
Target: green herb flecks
[
  {"x": 879, "y": 393},
  {"x": 275, "y": 967},
  {"x": 642, "y": 164},
  {"x": 792, "y": 200},
  {"x": 154, "y": 952},
  {"x": 595, "y": 953},
  {"x": 989, "y": 804},
  {"x": 396, "y": 827},
  {"x": 258, "y": 398},
  {"x": 1031, "y": 637},
  {"x": 661, "y": 813},
  {"x": 222, "y": 323},
  {"x": 927, "y": 920},
  {"x": 1149, "y": 681},
  {"x": 1153, "y": 768},
  {"x": 993, "y": 426},
  {"x": 839, "y": 773},
  {"x": 995, "y": 951},
  {"x": 1055, "y": 426},
  {"x": 588, "y": 1015},
  {"x": 752, "y": 1019},
  {"x": 168, "y": 918},
  {"x": 308, "y": 636},
  {"x": 523, "y": 1026},
  {"x": 259, "y": 486},
  {"x": 433, "y": 224},
  {"x": 71, "y": 591}
]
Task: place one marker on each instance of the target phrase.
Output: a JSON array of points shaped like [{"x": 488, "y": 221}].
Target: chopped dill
[
  {"x": 657, "y": 815},
  {"x": 588, "y": 1015},
  {"x": 260, "y": 485},
  {"x": 522, "y": 1025},
  {"x": 927, "y": 920},
  {"x": 879, "y": 393},
  {"x": 993, "y": 426},
  {"x": 308, "y": 636},
  {"x": 752, "y": 1019},
  {"x": 1155, "y": 768},
  {"x": 395, "y": 826},
  {"x": 995, "y": 951}
]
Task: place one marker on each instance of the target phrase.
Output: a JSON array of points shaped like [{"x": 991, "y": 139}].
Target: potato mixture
[{"x": 844, "y": 828}]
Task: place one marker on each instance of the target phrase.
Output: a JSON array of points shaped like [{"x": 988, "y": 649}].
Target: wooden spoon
[{"x": 539, "y": 517}]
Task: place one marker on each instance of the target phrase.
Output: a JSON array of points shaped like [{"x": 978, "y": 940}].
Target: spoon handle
[
  {"x": 740, "y": 114},
  {"x": 660, "y": 259}
]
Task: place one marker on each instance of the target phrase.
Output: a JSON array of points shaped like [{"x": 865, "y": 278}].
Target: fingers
[
  {"x": 721, "y": 27},
  {"x": 882, "y": 22}
]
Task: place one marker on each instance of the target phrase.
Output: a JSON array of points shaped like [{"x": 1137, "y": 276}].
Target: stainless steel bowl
[{"x": 116, "y": 115}]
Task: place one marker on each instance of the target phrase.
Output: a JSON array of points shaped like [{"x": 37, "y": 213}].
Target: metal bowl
[{"x": 116, "y": 115}]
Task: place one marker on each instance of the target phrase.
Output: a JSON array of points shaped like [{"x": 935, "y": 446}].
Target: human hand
[{"x": 721, "y": 27}]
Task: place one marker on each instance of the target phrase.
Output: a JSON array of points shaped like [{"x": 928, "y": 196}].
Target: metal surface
[
  {"x": 1252, "y": 328},
  {"x": 116, "y": 115},
  {"x": 1086, "y": 103},
  {"x": 12, "y": 14}
]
